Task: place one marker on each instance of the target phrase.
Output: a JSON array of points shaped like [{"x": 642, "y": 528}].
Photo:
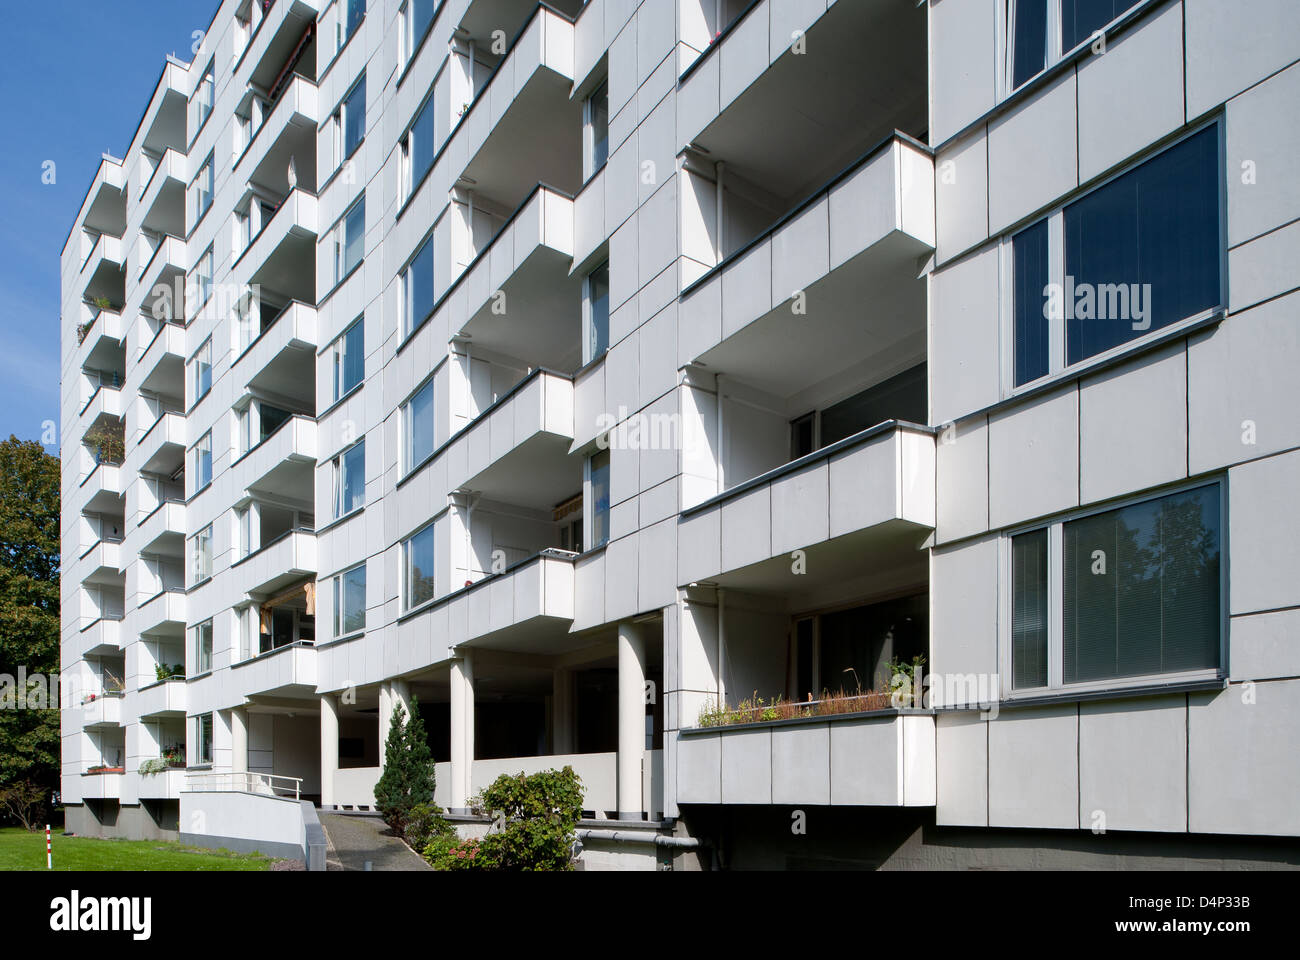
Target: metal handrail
[{"x": 268, "y": 784}]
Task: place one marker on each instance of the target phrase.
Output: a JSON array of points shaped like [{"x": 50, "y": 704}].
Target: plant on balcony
[
  {"x": 102, "y": 768},
  {"x": 174, "y": 755},
  {"x": 108, "y": 441},
  {"x": 153, "y": 766},
  {"x": 408, "y": 776},
  {"x": 166, "y": 671}
]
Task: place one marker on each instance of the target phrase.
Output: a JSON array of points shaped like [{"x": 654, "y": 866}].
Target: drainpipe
[
  {"x": 631, "y": 836},
  {"x": 722, "y": 459},
  {"x": 722, "y": 646},
  {"x": 719, "y": 173}
]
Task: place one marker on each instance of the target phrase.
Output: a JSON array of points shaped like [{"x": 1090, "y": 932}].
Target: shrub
[
  {"x": 408, "y": 776},
  {"x": 448, "y": 853},
  {"x": 536, "y": 817},
  {"x": 425, "y": 823}
]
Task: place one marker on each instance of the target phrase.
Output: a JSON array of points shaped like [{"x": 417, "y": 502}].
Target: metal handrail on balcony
[{"x": 267, "y": 784}]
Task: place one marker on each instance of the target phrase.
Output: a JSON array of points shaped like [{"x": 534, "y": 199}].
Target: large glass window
[
  {"x": 352, "y": 119},
  {"x": 1140, "y": 591},
  {"x": 350, "y": 601},
  {"x": 350, "y": 479},
  {"x": 417, "y": 288},
  {"x": 203, "y": 370},
  {"x": 201, "y": 192},
  {"x": 418, "y": 416},
  {"x": 349, "y": 359},
  {"x": 418, "y": 148},
  {"x": 596, "y": 313},
  {"x": 596, "y": 115},
  {"x": 200, "y": 282},
  {"x": 203, "y": 739},
  {"x": 203, "y": 461},
  {"x": 350, "y": 240},
  {"x": 203, "y": 98},
  {"x": 1137, "y": 254},
  {"x": 201, "y": 554},
  {"x": 1040, "y": 32},
  {"x": 417, "y": 17},
  {"x": 598, "y": 483},
  {"x": 203, "y": 647},
  {"x": 417, "y": 553},
  {"x": 356, "y": 12}
]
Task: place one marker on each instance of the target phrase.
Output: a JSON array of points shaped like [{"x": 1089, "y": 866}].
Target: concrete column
[
  {"x": 562, "y": 732},
  {"x": 631, "y": 720},
  {"x": 329, "y": 747},
  {"x": 462, "y": 732},
  {"x": 399, "y": 692},
  {"x": 385, "y": 716},
  {"x": 239, "y": 740}
]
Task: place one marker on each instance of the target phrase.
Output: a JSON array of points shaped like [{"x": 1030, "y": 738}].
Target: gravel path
[{"x": 355, "y": 839}]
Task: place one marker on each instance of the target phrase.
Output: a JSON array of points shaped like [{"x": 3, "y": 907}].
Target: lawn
[{"x": 20, "y": 850}]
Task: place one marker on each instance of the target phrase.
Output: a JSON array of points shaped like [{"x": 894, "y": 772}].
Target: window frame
[
  {"x": 202, "y": 756},
  {"x": 407, "y": 604},
  {"x": 409, "y": 462},
  {"x": 198, "y": 452},
  {"x": 1058, "y": 365},
  {"x": 1054, "y": 51},
  {"x": 589, "y": 354},
  {"x": 201, "y": 390},
  {"x": 206, "y": 173},
  {"x": 209, "y": 76},
  {"x": 339, "y": 359},
  {"x": 340, "y": 235},
  {"x": 202, "y": 566},
  {"x": 589, "y": 165},
  {"x": 1056, "y": 686},
  {"x": 589, "y": 504},
  {"x": 339, "y": 475},
  {"x": 340, "y": 119},
  {"x": 202, "y": 660},
  {"x": 338, "y": 593}
]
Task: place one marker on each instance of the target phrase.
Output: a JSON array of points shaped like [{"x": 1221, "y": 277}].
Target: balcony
[
  {"x": 865, "y": 503},
  {"x": 101, "y": 785},
  {"x": 160, "y": 291},
  {"x": 289, "y": 130},
  {"x": 104, "y": 711},
  {"x": 283, "y": 464},
  {"x": 528, "y": 608},
  {"x": 102, "y": 637},
  {"x": 102, "y": 563},
  {"x": 287, "y": 671},
  {"x": 104, "y": 401},
  {"x": 164, "y": 785},
  {"x": 528, "y": 262},
  {"x": 289, "y": 557},
  {"x": 102, "y": 489},
  {"x": 162, "y": 204},
  {"x": 104, "y": 207},
  {"x": 881, "y": 759},
  {"x": 281, "y": 31},
  {"x": 162, "y": 362},
  {"x": 101, "y": 274},
  {"x": 780, "y": 116},
  {"x": 101, "y": 332},
  {"x": 861, "y": 240},
  {"x": 162, "y": 531},
  {"x": 517, "y": 450},
  {"x": 282, "y": 360},
  {"x": 526, "y": 100},
  {"x": 161, "y": 450},
  {"x": 167, "y": 698},
  {"x": 283, "y": 254},
  {"x": 162, "y": 614}
]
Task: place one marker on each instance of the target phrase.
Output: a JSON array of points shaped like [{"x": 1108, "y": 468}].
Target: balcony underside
[{"x": 538, "y": 473}]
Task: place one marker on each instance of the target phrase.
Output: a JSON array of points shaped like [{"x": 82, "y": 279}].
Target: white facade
[{"x": 573, "y": 367}]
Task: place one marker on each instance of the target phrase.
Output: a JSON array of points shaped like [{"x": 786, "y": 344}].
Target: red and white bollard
[{"x": 49, "y": 852}]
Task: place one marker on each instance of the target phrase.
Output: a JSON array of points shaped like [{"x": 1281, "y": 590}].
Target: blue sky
[{"x": 76, "y": 75}]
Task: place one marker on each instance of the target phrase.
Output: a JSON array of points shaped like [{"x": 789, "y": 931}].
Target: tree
[
  {"x": 29, "y": 613},
  {"x": 408, "y": 776},
  {"x": 536, "y": 821}
]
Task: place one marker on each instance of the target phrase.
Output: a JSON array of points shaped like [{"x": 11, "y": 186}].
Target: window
[
  {"x": 203, "y": 370},
  {"x": 595, "y": 314},
  {"x": 417, "y": 415},
  {"x": 417, "y": 17},
  {"x": 596, "y": 121},
  {"x": 203, "y": 461},
  {"x": 203, "y": 647},
  {"x": 598, "y": 484},
  {"x": 1139, "y": 590},
  {"x": 350, "y": 240},
  {"x": 417, "y": 288},
  {"x": 418, "y": 148},
  {"x": 201, "y": 192},
  {"x": 348, "y": 23},
  {"x": 200, "y": 280},
  {"x": 1041, "y": 32},
  {"x": 350, "y": 601},
  {"x": 1137, "y": 254},
  {"x": 348, "y": 359},
  {"x": 244, "y": 530},
  {"x": 350, "y": 121},
  {"x": 203, "y": 99},
  {"x": 417, "y": 554},
  {"x": 201, "y": 554},
  {"x": 203, "y": 739},
  {"x": 350, "y": 479}
]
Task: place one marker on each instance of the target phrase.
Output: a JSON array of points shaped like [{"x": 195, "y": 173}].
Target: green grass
[{"x": 20, "y": 850}]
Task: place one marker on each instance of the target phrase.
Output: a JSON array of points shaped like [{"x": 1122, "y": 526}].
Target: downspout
[{"x": 722, "y": 647}]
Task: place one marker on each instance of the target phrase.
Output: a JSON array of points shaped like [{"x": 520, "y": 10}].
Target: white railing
[{"x": 267, "y": 784}]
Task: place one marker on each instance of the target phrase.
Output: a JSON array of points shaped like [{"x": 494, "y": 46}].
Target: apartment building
[{"x": 581, "y": 370}]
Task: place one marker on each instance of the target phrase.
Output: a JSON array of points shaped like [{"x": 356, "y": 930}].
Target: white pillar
[
  {"x": 462, "y": 732},
  {"x": 385, "y": 717},
  {"x": 329, "y": 747},
  {"x": 239, "y": 740},
  {"x": 399, "y": 692},
  {"x": 631, "y": 720}
]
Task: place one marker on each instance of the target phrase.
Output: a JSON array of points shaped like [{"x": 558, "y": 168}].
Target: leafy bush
[
  {"x": 154, "y": 765},
  {"x": 449, "y": 853},
  {"x": 425, "y": 823},
  {"x": 23, "y": 801},
  {"x": 535, "y": 816},
  {"x": 408, "y": 777}
]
